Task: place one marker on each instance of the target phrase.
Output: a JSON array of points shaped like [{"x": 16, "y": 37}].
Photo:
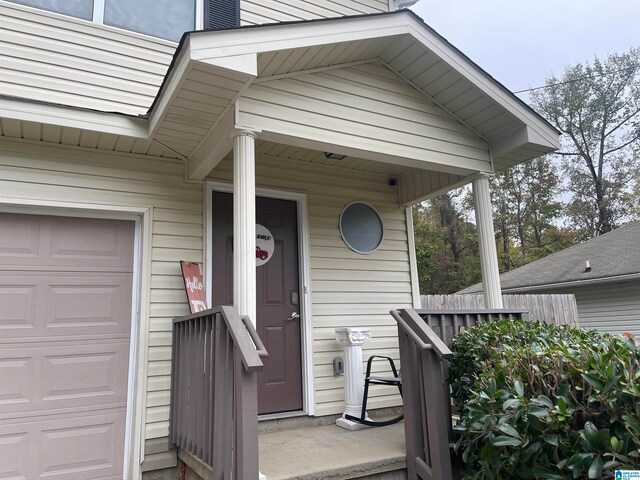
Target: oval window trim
[{"x": 344, "y": 232}]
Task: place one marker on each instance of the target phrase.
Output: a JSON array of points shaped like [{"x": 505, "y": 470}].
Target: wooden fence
[{"x": 553, "y": 308}]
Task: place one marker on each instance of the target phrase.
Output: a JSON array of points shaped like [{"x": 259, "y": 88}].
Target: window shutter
[{"x": 221, "y": 14}]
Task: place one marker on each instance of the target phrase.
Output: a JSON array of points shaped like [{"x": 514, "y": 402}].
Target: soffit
[{"x": 76, "y": 137}]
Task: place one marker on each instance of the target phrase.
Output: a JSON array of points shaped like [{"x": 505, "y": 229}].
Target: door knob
[{"x": 294, "y": 316}]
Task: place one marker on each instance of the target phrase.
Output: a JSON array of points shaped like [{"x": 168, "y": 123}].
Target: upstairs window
[
  {"x": 167, "y": 19},
  {"x": 159, "y": 18}
]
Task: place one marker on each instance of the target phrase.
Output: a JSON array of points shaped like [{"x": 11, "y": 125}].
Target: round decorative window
[{"x": 361, "y": 227}]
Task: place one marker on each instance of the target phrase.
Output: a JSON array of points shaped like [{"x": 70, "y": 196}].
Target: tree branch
[{"x": 620, "y": 147}]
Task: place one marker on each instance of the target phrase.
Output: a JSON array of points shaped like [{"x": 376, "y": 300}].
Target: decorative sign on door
[
  {"x": 264, "y": 245},
  {"x": 194, "y": 287}
]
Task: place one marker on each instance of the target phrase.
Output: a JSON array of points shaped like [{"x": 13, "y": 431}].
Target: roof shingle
[{"x": 613, "y": 254}]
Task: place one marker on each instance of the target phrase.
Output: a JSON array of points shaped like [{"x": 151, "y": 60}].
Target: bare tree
[{"x": 597, "y": 108}]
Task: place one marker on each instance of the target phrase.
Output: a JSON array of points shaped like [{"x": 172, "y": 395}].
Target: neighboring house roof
[{"x": 612, "y": 257}]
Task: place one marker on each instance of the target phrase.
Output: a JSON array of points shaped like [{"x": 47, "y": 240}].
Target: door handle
[{"x": 294, "y": 316}]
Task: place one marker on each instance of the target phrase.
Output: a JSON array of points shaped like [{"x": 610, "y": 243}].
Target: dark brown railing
[
  {"x": 214, "y": 407},
  {"x": 424, "y": 337}
]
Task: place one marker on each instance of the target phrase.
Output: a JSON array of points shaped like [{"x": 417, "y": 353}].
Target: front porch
[
  {"x": 332, "y": 452},
  {"x": 337, "y": 453},
  {"x": 214, "y": 420}
]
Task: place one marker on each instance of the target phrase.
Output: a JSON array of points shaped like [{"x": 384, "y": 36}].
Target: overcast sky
[{"x": 521, "y": 42}]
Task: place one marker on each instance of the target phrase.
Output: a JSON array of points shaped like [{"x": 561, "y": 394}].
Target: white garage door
[{"x": 65, "y": 322}]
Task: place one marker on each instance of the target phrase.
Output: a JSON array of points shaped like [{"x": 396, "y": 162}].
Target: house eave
[{"x": 73, "y": 117}]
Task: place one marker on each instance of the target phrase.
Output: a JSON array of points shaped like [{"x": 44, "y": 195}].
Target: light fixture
[{"x": 334, "y": 156}]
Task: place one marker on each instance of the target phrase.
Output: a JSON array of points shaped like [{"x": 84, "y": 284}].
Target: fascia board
[
  {"x": 169, "y": 89},
  {"x": 65, "y": 116},
  {"x": 481, "y": 80},
  {"x": 246, "y": 64},
  {"x": 269, "y": 38},
  {"x": 523, "y": 137},
  {"x": 214, "y": 148}
]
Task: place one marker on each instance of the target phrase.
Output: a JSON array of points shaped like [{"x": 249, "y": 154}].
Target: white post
[
  {"x": 487, "y": 243},
  {"x": 352, "y": 339},
  {"x": 244, "y": 226},
  {"x": 244, "y": 223}
]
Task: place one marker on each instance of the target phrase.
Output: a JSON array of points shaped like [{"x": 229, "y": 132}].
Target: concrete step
[{"x": 331, "y": 452}]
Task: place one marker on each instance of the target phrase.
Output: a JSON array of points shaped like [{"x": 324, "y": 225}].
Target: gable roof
[{"x": 612, "y": 256}]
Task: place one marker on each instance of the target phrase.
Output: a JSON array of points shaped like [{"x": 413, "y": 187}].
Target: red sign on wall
[{"x": 194, "y": 287}]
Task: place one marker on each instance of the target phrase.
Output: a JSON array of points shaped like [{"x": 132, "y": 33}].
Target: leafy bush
[{"x": 540, "y": 401}]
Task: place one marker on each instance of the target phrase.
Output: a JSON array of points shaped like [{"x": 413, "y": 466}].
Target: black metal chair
[{"x": 369, "y": 380}]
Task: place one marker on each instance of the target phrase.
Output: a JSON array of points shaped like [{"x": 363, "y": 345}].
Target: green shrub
[{"x": 540, "y": 401}]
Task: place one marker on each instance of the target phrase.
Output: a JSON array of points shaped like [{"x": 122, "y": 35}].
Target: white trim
[
  {"x": 98, "y": 11},
  {"x": 344, "y": 239},
  {"x": 327, "y": 68},
  {"x": 129, "y": 437},
  {"x": 136, "y": 384},
  {"x": 199, "y": 20},
  {"x": 63, "y": 116},
  {"x": 308, "y": 394},
  {"x": 413, "y": 261}
]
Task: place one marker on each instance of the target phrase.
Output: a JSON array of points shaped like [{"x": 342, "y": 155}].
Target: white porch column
[
  {"x": 487, "y": 243},
  {"x": 244, "y": 226},
  {"x": 244, "y": 223},
  {"x": 352, "y": 339}
]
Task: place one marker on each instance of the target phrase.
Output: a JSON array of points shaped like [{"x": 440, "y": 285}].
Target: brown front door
[{"x": 278, "y": 309}]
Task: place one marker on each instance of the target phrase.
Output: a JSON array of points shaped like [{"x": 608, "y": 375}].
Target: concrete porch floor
[{"x": 332, "y": 452}]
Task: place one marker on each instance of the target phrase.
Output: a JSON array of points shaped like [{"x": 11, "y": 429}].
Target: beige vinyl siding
[
  {"x": 610, "y": 307},
  {"x": 254, "y": 12},
  {"x": 54, "y": 58},
  {"x": 365, "y": 107},
  {"x": 347, "y": 289},
  {"x": 58, "y": 174}
]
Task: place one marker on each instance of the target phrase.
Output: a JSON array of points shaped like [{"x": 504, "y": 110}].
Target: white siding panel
[
  {"x": 364, "y": 107},
  {"x": 612, "y": 308},
  {"x": 254, "y": 12},
  {"x": 54, "y": 58},
  {"x": 44, "y": 173},
  {"x": 347, "y": 289}
]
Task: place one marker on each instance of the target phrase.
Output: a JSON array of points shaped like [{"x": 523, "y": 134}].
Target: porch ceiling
[
  {"x": 412, "y": 183},
  {"x": 272, "y": 149}
]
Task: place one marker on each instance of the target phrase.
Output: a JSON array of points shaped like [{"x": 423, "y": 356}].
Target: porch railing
[
  {"x": 424, "y": 336},
  {"x": 214, "y": 408}
]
